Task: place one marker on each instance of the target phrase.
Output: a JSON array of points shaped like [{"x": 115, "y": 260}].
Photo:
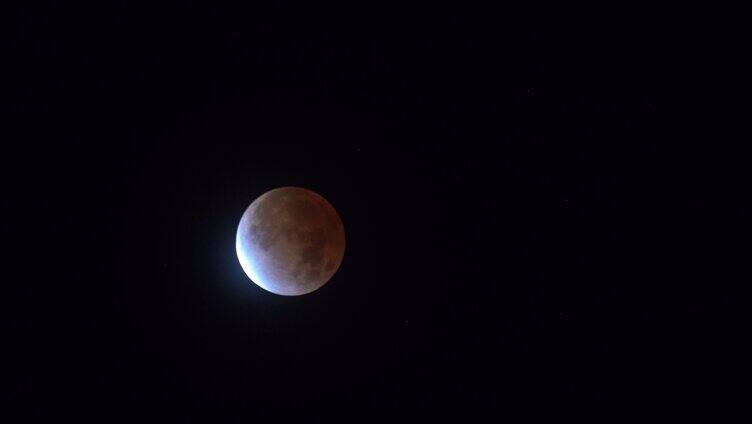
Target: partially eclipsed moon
[{"x": 290, "y": 241}]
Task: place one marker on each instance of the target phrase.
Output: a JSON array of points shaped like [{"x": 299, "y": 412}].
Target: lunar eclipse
[{"x": 290, "y": 241}]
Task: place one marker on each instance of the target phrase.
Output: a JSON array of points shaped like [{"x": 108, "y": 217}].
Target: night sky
[{"x": 515, "y": 241}]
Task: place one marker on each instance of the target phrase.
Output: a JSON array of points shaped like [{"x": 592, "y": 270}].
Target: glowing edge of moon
[
  {"x": 245, "y": 263},
  {"x": 247, "y": 266}
]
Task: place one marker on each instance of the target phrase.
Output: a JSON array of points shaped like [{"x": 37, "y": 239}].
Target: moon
[{"x": 290, "y": 241}]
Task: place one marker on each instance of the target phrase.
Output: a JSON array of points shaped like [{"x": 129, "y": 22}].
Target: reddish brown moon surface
[{"x": 290, "y": 241}]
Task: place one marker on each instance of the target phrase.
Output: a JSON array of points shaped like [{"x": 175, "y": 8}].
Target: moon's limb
[{"x": 290, "y": 241}]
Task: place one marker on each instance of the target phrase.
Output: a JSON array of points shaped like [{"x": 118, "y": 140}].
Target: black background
[{"x": 522, "y": 232}]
